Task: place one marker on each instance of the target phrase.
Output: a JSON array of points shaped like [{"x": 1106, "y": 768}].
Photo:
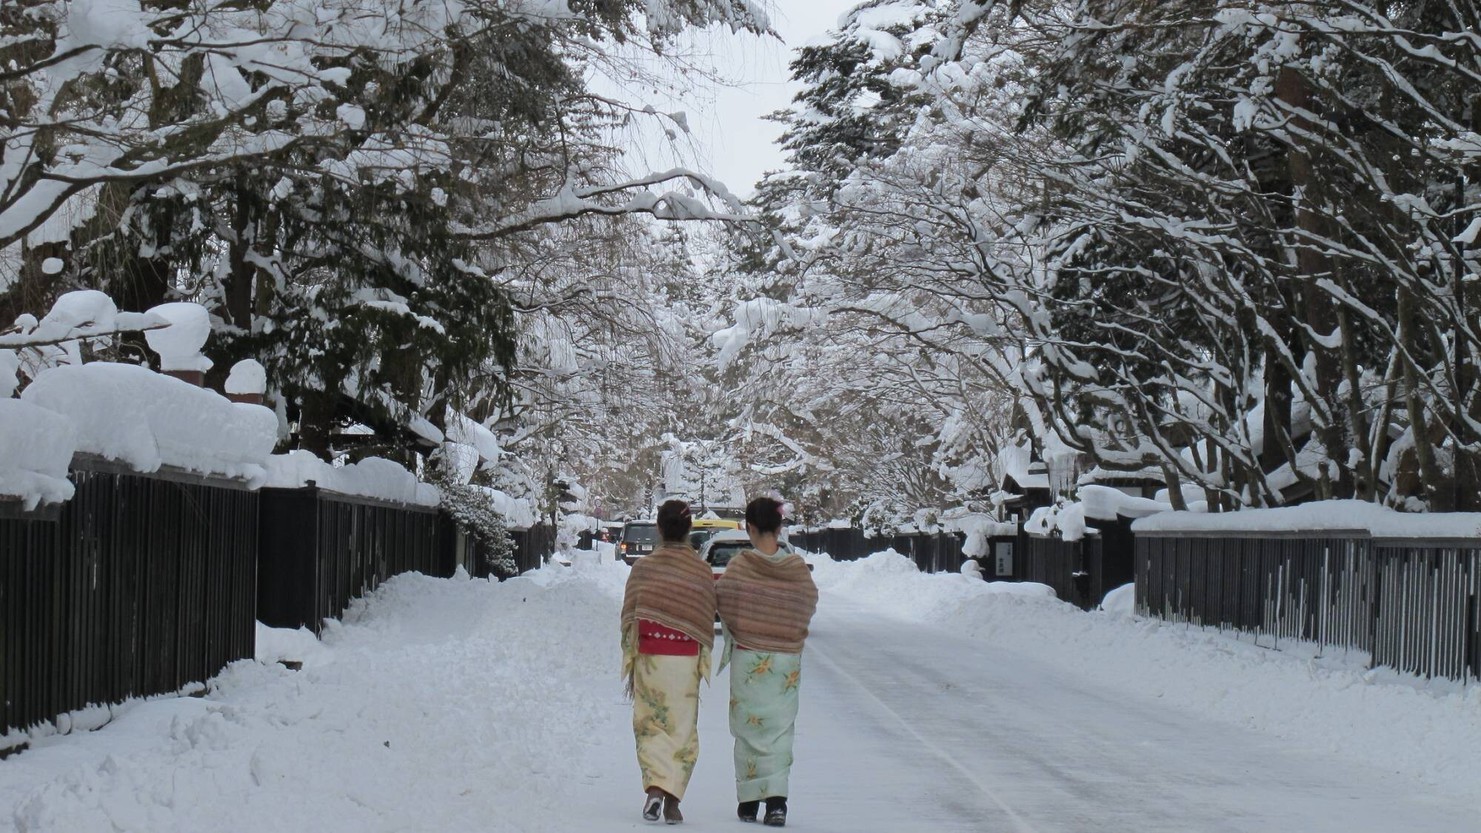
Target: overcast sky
[{"x": 728, "y": 136}]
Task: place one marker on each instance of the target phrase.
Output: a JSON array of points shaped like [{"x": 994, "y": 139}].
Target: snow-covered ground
[{"x": 930, "y": 702}]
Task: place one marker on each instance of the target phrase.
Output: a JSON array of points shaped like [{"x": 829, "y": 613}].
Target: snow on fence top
[
  {"x": 35, "y": 450},
  {"x": 372, "y": 477},
  {"x": 146, "y": 420},
  {"x": 1321, "y": 516}
]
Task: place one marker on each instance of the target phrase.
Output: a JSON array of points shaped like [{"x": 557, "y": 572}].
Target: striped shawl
[
  {"x": 672, "y": 587},
  {"x": 767, "y": 604}
]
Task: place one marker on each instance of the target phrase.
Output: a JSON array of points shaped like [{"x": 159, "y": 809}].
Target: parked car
[
  {"x": 638, "y": 539},
  {"x": 721, "y": 547},
  {"x": 610, "y": 532}
]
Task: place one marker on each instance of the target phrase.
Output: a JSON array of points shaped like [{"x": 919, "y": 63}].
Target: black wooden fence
[
  {"x": 321, "y": 549},
  {"x": 140, "y": 585},
  {"x": 1081, "y": 572},
  {"x": 144, "y": 585},
  {"x": 932, "y": 552},
  {"x": 1411, "y": 605}
]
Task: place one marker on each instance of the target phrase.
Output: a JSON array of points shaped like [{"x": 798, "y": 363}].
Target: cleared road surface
[{"x": 910, "y": 728}]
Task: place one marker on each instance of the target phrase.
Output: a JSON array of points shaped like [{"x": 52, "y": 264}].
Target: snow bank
[
  {"x": 36, "y": 449},
  {"x": 891, "y": 584},
  {"x": 147, "y": 420},
  {"x": 10, "y": 365},
  {"x": 1320, "y": 516},
  {"x": 437, "y": 705},
  {"x": 372, "y": 477},
  {"x": 1121, "y": 601}
]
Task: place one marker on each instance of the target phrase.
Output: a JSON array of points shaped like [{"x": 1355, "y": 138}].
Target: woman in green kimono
[
  {"x": 767, "y": 599},
  {"x": 668, "y": 615}
]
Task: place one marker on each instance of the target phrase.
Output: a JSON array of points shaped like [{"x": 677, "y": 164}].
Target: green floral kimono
[{"x": 763, "y": 719}]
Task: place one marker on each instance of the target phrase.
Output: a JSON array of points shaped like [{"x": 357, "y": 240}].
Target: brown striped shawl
[
  {"x": 672, "y": 587},
  {"x": 767, "y": 604}
]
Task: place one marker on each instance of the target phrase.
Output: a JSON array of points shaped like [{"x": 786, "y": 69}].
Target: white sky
[{"x": 728, "y": 136}]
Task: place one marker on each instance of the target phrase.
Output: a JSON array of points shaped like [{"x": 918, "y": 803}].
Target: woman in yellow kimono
[{"x": 668, "y": 615}]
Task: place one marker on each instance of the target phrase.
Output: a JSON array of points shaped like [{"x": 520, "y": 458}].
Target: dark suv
[{"x": 638, "y": 539}]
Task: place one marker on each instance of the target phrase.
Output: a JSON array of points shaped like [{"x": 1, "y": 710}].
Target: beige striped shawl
[
  {"x": 767, "y": 604},
  {"x": 672, "y": 587}
]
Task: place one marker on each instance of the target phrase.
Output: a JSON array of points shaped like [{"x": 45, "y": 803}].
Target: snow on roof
[
  {"x": 1030, "y": 481},
  {"x": 1320, "y": 516},
  {"x": 518, "y": 512},
  {"x": 461, "y": 429},
  {"x": 1101, "y": 475},
  {"x": 36, "y": 448},
  {"x": 1107, "y": 503},
  {"x": 147, "y": 420}
]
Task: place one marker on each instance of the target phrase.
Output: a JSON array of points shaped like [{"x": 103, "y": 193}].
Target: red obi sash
[{"x": 659, "y": 640}]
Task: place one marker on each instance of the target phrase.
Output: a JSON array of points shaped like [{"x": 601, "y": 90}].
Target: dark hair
[
  {"x": 674, "y": 521},
  {"x": 765, "y": 514}
]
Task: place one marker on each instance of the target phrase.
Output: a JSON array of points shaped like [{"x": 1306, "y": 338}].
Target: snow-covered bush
[{"x": 474, "y": 513}]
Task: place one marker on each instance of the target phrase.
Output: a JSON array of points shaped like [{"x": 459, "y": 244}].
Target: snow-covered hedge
[{"x": 146, "y": 420}]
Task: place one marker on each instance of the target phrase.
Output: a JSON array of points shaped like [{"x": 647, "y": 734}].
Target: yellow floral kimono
[{"x": 665, "y": 692}]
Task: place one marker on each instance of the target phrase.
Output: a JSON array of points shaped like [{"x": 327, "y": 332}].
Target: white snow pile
[
  {"x": 1070, "y": 519},
  {"x": 1121, "y": 601},
  {"x": 518, "y": 512},
  {"x": 36, "y": 449},
  {"x": 85, "y": 313},
  {"x": 247, "y": 376},
  {"x": 465, "y": 431},
  {"x": 147, "y": 420},
  {"x": 979, "y": 527},
  {"x": 179, "y": 345},
  {"x": 437, "y": 705},
  {"x": 1320, "y": 516},
  {"x": 1428, "y": 730},
  {"x": 891, "y": 584},
  {"x": 1066, "y": 519},
  {"x": 372, "y": 477}
]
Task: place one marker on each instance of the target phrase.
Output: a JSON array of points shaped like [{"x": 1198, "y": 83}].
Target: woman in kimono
[
  {"x": 668, "y": 615},
  {"x": 767, "y": 599}
]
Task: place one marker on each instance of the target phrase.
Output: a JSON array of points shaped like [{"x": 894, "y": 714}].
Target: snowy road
[
  {"x": 907, "y": 727},
  {"x": 930, "y": 703}
]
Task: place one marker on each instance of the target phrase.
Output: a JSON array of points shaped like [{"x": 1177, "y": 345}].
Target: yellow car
[{"x": 705, "y": 528}]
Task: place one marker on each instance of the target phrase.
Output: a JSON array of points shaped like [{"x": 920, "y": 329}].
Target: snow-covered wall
[
  {"x": 1321, "y": 516},
  {"x": 146, "y": 420}
]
